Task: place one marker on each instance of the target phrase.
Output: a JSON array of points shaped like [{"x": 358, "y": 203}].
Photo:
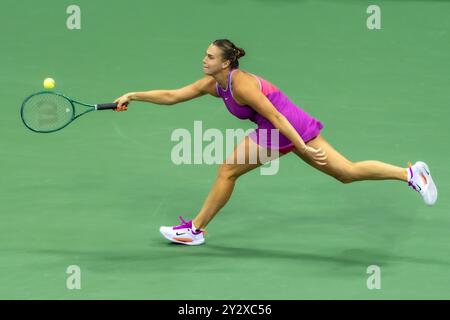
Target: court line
[{"x": 124, "y": 136}]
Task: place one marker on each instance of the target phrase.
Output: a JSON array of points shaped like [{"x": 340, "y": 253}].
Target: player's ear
[{"x": 226, "y": 64}]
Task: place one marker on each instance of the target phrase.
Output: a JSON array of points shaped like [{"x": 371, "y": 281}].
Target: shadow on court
[
  {"x": 157, "y": 259},
  {"x": 346, "y": 257}
]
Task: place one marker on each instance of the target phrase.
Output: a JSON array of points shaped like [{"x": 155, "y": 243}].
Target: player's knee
[
  {"x": 348, "y": 175},
  {"x": 227, "y": 171},
  {"x": 344, "y": 179}
]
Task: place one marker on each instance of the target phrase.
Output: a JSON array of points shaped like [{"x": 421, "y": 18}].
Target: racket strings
[{"x": 47, "y": 112}]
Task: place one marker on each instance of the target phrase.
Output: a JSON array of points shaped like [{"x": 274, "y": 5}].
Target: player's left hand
[{"x": 317, "y": 155}]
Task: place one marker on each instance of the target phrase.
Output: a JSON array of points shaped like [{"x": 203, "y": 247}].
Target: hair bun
[
  {"x": 240, "y": 53},
  {"x": 230, "y": 52}
]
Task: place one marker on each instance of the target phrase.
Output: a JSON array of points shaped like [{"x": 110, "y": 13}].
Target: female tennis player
[{"x": 248, "y": 96}]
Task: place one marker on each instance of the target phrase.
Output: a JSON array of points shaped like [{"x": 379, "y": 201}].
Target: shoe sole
[{"x": 193, "y": 243}]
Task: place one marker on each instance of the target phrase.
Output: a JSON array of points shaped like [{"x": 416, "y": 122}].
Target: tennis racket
[{"x": 48, "y": 111}]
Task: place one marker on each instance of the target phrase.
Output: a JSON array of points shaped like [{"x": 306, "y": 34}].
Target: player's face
[{"x": 212, "y": 62}]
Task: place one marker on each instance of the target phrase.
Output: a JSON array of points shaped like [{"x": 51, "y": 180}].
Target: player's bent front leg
[
  {"x": 241, "y": 161},
  {"x": 346, "y": 171},
  {"x": 244, "y": 158}
]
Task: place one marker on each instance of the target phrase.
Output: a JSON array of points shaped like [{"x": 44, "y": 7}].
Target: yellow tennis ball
[{"x": 49, "y": 83}]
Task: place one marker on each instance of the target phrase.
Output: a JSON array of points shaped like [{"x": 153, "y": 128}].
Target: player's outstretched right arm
[{"x": 168, "y": 97}]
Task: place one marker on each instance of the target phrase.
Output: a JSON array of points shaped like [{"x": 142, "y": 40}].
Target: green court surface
[{"x": 95, "y": 193}]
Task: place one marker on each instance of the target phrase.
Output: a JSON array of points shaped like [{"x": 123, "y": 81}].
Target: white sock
[{"x": 193, "y": 226}]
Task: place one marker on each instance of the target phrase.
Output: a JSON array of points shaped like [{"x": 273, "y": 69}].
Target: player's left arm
[{"x": 246, "y": 92}]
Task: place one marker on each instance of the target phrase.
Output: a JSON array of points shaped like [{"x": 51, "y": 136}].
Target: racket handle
[{"x": 106, "y": 106}]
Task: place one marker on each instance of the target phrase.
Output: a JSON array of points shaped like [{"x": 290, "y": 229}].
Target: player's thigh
[
  {"x": 337, "y": 165},
  {"x": 247, "y": 156}
]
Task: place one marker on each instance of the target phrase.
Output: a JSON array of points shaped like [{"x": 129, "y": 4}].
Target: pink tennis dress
[{"x": 307, "y": 126}]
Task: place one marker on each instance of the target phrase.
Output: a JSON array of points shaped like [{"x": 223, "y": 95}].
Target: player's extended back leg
[{"x": 347, "y": 171}]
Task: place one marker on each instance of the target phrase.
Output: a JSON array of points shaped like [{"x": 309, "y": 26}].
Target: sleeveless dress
[{"x": 307, "y": 126}]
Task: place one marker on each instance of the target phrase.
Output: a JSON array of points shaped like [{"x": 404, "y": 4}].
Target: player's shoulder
[
  {"x": 207, "y": 84},
  {"x": 244, "y": 79},
  {"x": 239, "y": 74}
]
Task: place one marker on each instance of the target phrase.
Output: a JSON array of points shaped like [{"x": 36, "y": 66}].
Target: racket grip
[{"x": 106, "y": 106}]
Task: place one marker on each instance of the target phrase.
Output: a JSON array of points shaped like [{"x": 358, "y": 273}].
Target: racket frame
[{"x": 94, "y": 107}]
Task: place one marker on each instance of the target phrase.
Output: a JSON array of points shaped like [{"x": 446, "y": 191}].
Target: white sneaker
[
  {"x": 419, "y": 178},
  {"x": 184, "y": 233}
]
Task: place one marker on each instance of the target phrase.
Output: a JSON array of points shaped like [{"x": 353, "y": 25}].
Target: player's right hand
[{"x": 122, "y": 102}]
